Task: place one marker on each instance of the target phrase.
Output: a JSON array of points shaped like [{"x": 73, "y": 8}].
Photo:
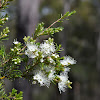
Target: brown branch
[
  {"x": 27, "y": 71},
  {"x": 22, "y": 48},
  {"x": 6, "y": 61},
  {"x": 51, "y": 25}
]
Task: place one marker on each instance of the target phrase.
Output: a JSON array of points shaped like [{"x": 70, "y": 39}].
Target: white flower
[
  {"x": 47, "y": 48},
  {"x": 12, "y": 49},
  {"x": 32, "y": 50},
  {"x": 7, "y": 18},
  {"x": 15, "y": 41},
  {"x": 55, "y": 55},
  {"x": 32, "y": 47},
  {"x": 34, "y": 82},
  {"x": 62, "y": 84},
  {"x": 15, "y": 62},
  {"x": 51, "y": 75},
  {"x": 63, "y": 80},
  {"x": 29, "y": 54},
  {"x": 42, "y": 79},
  {"x": 65, "y": 72},
  {"x": 68, "y": 61},
  {"x": 5, "y": 34},
  {"x": 49, "y": 69}
]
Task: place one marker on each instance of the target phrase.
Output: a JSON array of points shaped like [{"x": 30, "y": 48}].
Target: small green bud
[{"x": 26, "y": 38}]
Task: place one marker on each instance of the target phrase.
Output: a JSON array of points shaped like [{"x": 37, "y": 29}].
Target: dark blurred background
[{"x": 80, "y": 39}]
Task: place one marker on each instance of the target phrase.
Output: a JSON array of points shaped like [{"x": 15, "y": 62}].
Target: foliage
[
  {"x": 12, "y": 95},
  {"x": 41, "y": 61}
]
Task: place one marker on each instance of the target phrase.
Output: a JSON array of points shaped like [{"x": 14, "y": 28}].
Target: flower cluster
[
  {"x": 68, "y": 61},
  {"x": 51, "y": 68},
  {"x": 16, "y": 51},
  {"x": 46, "y": 48}
]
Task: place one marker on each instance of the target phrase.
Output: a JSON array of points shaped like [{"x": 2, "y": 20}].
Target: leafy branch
[{"x": 41, "y": 31}]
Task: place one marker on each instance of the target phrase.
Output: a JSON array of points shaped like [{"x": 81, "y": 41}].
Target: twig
[{"x": 51, "y": 25}]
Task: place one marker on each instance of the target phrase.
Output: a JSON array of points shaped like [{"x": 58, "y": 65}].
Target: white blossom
[
  {"x": 55, "y": 55},
  {"x": 32, "y": 50},
  {"x": 30, "y": 54},
  {"x": 15, "y": 41},
  {"x": 12, "y": 49},
  {"x": 62, "y": 84},
  {"x": 32, "y": 47},
  {"x": 51, "y": 75},
  {"x": 65, "y": 72},
  {"x": 47, "y": 48},
  {"x": 7, "y": 18},
  {"x": 5, "y": 34},
  {"x": 34, "y": 82},
  {"x": 15, "y": 62},
  {"x": 49, "y": 69},
  {"x": 63, "y": 79},
  {"x": 42, "y": 79},
  {"x": 67, "y": 61}
]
